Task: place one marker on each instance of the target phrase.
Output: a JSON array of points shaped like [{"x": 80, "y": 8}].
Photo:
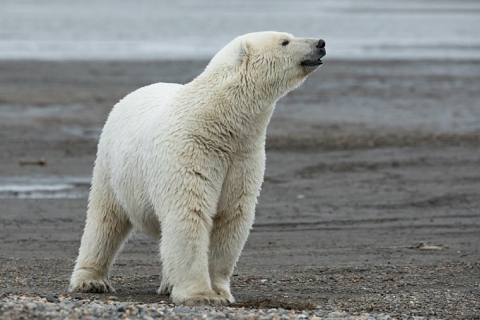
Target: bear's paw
[
  {"x": 93, "y": 286},
  {"x": 88, "y": 281},
  {"x": 225, "y": 293},
  {"x": 201, "y": 299},
  {"x": 165, "y": 287}
]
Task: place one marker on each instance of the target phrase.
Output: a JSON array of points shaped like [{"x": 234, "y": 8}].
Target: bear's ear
[{"x": 243, "y": 51}]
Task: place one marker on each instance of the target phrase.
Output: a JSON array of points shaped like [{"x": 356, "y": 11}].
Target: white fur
[{"x": 184, "y": 164}]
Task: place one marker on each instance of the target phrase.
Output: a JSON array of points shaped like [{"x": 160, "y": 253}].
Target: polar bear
[{"x": 185, "y": 163}]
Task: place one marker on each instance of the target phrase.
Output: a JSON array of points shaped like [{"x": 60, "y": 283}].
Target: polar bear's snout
[
  {"x": 314, "y": 58},
  {"x": 321, "y": 48},
  {"x": 321, "y": 44}
]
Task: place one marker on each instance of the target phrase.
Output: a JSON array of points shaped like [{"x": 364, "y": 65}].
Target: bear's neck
[{"x": 239, "y": 111}]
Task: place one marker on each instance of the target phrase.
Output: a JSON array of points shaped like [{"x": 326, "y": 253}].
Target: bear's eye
[{"x": 285, "y": 42}]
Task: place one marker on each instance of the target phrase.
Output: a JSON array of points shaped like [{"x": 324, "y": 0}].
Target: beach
[{"x": 369, "y": 207}]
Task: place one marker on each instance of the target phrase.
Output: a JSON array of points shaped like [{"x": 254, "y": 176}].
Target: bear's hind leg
[{"x": 105, "y": 231}]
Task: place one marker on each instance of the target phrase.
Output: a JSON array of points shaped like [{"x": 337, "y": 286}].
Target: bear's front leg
[
  {"x": 184, "y": 251},
  {"x": 186, "y": 228},
  {"x": 229, "y": 235},
  {"x": 232, "y": 224}
]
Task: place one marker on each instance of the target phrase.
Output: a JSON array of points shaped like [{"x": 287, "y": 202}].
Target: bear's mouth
[
  {"x": 314, "y": 59},
  {"x": 312, "y": 63}
]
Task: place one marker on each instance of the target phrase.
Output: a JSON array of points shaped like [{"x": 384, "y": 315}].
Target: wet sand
[{"x": 370, "y": 201}]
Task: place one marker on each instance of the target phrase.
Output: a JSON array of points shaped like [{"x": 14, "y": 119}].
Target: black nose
[{"x": 321, "y": 43}]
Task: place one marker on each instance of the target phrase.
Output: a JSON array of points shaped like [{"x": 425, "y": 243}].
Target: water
[
  {"x": 35, "y": 111},
  {"x": 44, "y": 188},
  {"x": 151, "y": 29}
]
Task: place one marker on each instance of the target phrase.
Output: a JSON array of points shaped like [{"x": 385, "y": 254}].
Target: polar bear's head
[{"x": 272, "y": 61}]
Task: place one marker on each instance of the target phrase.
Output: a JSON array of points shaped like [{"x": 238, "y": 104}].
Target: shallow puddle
[
  {"x": 83, "y": 132},
  {"x": 44, "y": 188},
  {"x": 13, "y": 111}
]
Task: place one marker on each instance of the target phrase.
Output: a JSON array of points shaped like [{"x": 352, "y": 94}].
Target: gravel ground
[
  {"x": 59, "y": 307},
  {"x": 441, "y": 291}
]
